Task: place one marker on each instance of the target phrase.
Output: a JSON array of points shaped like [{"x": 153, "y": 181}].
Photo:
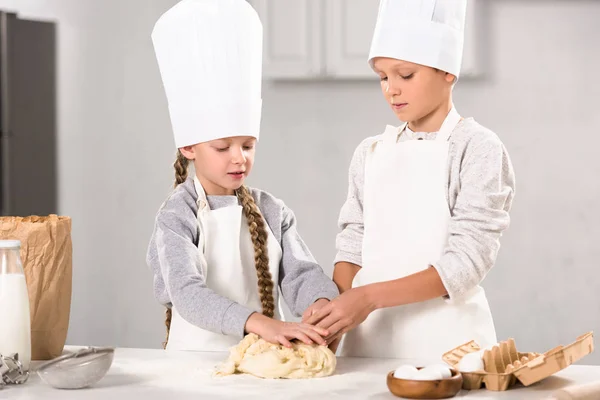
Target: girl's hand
[{"x": 280, "y": 332}]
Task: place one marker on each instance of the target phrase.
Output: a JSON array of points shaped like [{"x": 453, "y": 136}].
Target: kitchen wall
[{"x": 540, "y": 93}]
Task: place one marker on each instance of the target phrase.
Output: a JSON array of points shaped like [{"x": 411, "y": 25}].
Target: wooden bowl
[{"x": 434, "y": 389}]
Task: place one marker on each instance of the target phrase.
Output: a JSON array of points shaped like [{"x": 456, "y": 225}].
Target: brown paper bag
[{"x": 46, "y": 252}]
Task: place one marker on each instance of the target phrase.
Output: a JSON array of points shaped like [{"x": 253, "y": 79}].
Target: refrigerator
[{"x": 28, "y": 123}]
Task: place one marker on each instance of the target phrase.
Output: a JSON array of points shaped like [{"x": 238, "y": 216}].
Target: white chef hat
[
  {"x": 209, "y": 53},
  {"x": 426, "y": 32}
]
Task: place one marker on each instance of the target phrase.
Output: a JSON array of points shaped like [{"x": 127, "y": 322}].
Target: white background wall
[{"x": 540, "y": 94}]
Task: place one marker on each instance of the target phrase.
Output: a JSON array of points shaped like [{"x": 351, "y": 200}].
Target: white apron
[
  {"x": 229, "y": 270},
  {"x": 406, "y": 217}
]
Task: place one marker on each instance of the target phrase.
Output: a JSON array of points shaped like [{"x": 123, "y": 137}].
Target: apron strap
[
  {"x": 391, "y": 133},
  {"x": 452, "y": 119},
  {"x": 202, "y": 202}
]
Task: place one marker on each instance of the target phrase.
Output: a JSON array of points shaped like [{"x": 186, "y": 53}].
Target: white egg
[
  {"x": 405, "y": 372},
  {"x": 428, "y": 375},
  {"x": 471, "y": 362},
  {"x": 442, "y": 369}
]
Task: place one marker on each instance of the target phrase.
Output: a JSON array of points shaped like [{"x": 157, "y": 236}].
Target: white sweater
[{"x": 479, "y": 191}]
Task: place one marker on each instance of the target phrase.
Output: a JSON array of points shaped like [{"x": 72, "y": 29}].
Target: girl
[
  {"x": 220, "y": 251},
  {"x": 427, "y": 203}
]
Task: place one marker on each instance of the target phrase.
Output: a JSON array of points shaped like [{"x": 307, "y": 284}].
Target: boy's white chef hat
[{"x": 426, "y": 32}]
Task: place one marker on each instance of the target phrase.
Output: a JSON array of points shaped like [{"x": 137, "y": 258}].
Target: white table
[{"x": 148, "y": 374}]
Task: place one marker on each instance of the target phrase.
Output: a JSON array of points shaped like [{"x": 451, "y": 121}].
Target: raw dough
[{"x": 257, "y": 357}]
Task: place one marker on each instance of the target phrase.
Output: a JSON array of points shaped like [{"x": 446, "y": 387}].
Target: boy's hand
[
  {"x": 314, "y": 307},
  {"x": 344, "y": 313}
]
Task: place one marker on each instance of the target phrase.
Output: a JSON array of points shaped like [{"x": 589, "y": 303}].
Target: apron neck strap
[
  {"x": 201, "y": 193},
  {"x": 452, "y": 119},
  {"x": 391, "y": 133}
]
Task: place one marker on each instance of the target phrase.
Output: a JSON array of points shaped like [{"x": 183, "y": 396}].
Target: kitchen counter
[{"x": 149, "y": 374}]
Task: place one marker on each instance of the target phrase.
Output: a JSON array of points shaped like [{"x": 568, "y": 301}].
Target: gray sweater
[
  {"x": 479, "y": 191},
  {"x": 175, "y": 260}
]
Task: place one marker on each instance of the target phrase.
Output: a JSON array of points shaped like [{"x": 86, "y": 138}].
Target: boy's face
[
  {"x": 222, "y": 165},
  {"x": 412, "y": 90}
]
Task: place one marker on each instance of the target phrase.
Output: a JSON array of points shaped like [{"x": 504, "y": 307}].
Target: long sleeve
[
  {"x": 176, "y": 262},
  {"x": 350, "y": 221},
  {"x": 479, "y": 217},
  {"x": 302, "y": 279}
]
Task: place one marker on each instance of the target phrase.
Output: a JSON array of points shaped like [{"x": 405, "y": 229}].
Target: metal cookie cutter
[{"x": 11, "y": 371}]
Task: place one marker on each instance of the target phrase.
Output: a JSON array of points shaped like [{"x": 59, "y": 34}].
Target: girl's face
[
  {"x": 413, "y": 91},
  {"x": 222, "y": 165}
]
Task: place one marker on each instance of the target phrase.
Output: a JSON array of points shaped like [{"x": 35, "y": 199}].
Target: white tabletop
[{"x": 149, "y": 374}]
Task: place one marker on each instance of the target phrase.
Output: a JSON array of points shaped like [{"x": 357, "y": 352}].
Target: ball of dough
[{"x": 260, "y": 358}]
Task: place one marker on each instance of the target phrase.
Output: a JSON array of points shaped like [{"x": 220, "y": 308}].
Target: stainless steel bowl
[{"x": 77, "y": 370}]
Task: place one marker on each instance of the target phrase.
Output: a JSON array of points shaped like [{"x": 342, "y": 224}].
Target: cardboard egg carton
[
  {"x": 500, "y": 363},
  {"x": 504, "y": 365}
]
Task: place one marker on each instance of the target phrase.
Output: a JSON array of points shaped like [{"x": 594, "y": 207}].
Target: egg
[
  {"x": 428, "y": 375},
  {"x": 442, "y": 369},
  {"x": 405, "y": 372},
  {"x": 471, "y": 362}
]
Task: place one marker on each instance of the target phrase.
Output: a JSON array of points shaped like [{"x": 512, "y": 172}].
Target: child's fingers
[
  {"x": 321, "y": 331},
  {"x": 304, "y": 337},
  {"x": 336, "y": 330},
  {"x": 315, "y": 336},
  {"x": 327, "y": 322},
  {"x": 309, "y": 311},
  {"x": 283, "y": 340},
  {"x": 319, "y": 315}
]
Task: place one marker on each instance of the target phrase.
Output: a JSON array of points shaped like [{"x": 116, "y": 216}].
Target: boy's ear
[{"x": 450, "y": 78}]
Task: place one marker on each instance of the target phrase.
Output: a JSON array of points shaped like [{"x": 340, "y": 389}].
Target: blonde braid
[
  {"x": 181, "y": 173},
  {"x": 258, "y": 232},
  {"x": 181, "y": 168},
  {"x": 168, "y": 325}
]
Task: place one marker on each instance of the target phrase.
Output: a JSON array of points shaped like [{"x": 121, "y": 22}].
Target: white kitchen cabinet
[
  {"x": 293, "y": 37},
  {"x": 330, "y": 39},
  {"x": 348, "y": 32},
  {"x": 470, "y": 66}
]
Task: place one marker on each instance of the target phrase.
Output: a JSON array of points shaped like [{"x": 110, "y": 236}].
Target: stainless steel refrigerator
[{"x": 28, "y": 160}]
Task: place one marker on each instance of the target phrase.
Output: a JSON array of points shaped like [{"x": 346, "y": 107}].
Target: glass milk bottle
[{"x": 15, "y": 332}]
